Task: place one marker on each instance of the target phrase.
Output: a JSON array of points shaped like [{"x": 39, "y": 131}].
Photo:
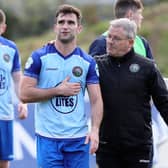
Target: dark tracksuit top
[{"x": 127, "y": 85}]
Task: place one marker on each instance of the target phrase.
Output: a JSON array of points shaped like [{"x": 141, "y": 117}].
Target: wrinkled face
[
  {"x": 118, "y": 44},
  {"x": 137, "y": 17},
  {"x": 67, "y": 27}
]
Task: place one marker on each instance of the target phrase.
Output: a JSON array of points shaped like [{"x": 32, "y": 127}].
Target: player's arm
[
  {"x": 16, "y": 80},
  {"x": 29, "y": 92},
  {"x": 22, "y": 108},
  {"x": 96, "y": 115}
]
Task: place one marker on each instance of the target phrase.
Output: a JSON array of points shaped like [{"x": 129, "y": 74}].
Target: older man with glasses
[{"x": 128, "y": 82}]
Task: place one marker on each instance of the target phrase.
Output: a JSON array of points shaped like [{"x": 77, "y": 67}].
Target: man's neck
[{"x": 65, "y": 49}]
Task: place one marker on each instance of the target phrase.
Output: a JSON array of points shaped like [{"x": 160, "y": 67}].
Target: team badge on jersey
[
  {"x": 134, "y": 68},
  {"x": 6, "y": 57},
  {"x": 77, "y": 71}
]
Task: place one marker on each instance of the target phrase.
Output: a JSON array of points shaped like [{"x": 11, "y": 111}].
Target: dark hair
[
  {"x": 2, "y": 16},
  {"x": 122, "y": 7},
  {"x": 66, "y": 9}
]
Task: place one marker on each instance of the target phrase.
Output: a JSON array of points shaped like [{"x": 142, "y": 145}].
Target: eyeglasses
[{"x": 116, "y": 39}]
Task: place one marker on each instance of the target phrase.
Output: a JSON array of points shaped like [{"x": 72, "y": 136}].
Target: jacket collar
[{"x": 124, "y": 58}]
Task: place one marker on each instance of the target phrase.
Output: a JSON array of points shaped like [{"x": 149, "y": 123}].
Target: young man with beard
[{"x": 55, "y": 77}]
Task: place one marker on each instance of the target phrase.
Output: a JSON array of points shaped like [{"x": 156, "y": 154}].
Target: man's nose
[
  {"x": 110, "y": 41},
  {"x": 65, "y": 25}
]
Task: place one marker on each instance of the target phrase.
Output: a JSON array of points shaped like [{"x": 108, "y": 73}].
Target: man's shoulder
[
  {"x": 43, "y": 49},
  {"x": 98, "y": 46},
  {"x": 100, "y": 38},
  {"x": 144, "y": 60},
  {"x": 101, "y": 58},
  {"x": 7, "y": 42},
  {"x": 79, "y": 51},
  {"x": 143, "y": 39}
]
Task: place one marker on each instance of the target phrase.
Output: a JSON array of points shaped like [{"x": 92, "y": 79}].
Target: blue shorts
[
  {"x": 62, "y": 153},
  {"x": 6, "y": 140}
]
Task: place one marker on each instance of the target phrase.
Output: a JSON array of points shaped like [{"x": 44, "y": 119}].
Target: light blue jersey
[
  {"x": 9, "y": 63},
  {"x": 61, "y": 117}
]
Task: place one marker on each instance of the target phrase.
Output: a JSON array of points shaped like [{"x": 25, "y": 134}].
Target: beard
[{"x": 66, "y": 40}]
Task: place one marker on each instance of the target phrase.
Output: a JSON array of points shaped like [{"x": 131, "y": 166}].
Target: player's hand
[
  {"x": 69, "y": 88},
  {"x": 93, "y": 138},
  {"x": 50, "y": 42},
  {"x": 22, "y": 110}
]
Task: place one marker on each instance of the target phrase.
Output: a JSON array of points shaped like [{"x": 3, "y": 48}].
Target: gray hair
[{"x": 129, "y": 26}]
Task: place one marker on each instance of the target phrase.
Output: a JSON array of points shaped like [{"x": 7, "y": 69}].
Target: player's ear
[
  {"x": 131, "y": 42},
  {"x": 80, "y": 28},
  {"x": 54, "y": 27},
  {"x": 129, "y": 14},
  {"x": 3, "y": 27}
]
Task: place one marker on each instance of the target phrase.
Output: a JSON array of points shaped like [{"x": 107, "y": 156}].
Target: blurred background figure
[{"x": 10, "y": 73}]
